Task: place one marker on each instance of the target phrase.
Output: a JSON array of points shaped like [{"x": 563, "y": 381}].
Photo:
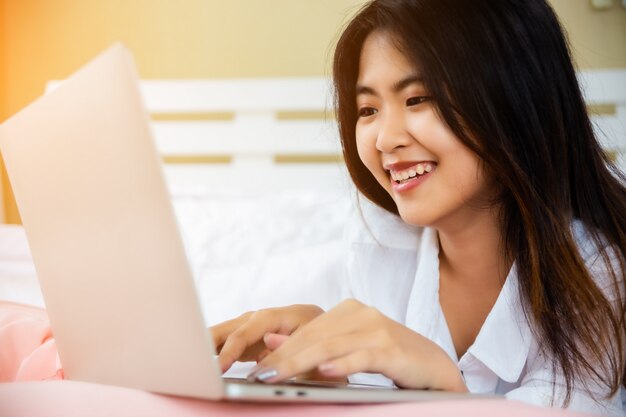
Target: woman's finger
[
  {"x": 242, "y": 338},
  {"x": 278, "y": 366},
  {"x": 247, "y": 335},
  {"x": 274, "y": 340},
  {"x": 416, "y": 372},
  {"x": 350, "y": 364},
  {"x": 349, "y": 317},
  {"x": 220, "y": 332}
]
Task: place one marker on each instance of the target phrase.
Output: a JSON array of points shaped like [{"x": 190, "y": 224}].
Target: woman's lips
[{"x": 409, "y": 184}]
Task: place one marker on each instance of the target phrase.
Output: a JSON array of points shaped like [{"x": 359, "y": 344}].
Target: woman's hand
[
  {"x": 241, "y": 339},
  {"x": 353, "y": 338}
]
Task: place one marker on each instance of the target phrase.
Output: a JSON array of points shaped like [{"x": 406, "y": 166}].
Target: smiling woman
[
  {"x": 42, "y": 41},
  {"x": 493, "y": 263}
]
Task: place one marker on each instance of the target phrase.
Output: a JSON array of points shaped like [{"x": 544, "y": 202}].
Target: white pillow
[
  {"x": 18, "y": 279},
  {"x": 246, "y": 252},
  {"x": 251, "y": 252}
]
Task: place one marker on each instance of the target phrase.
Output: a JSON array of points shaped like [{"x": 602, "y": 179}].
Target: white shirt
[{"x": 395, "y": 268}]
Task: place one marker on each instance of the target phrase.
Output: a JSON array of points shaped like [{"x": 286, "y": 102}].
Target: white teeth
[{"x": 418, "y": 169}]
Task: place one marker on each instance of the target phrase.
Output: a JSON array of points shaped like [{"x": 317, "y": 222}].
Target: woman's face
[{"x": 433, "y": 178}]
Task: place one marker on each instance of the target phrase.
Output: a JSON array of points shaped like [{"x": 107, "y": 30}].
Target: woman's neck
[{"x": 472, "y": 250}]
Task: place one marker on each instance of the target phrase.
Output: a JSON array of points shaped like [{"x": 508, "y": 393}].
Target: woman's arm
[{"x": 352, "y": 338}]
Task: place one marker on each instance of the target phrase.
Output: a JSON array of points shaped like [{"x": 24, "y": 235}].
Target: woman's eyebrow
[
  {"x": 362, "y": 90},
  {"x": 396, "y": 88},
  {"x": 407, "y": 81}
]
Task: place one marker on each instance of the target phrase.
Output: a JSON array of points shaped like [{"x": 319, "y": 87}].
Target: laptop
[{"x": 116, "y": 282}]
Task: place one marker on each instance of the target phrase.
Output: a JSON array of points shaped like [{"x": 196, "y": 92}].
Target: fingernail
[
  {"x": 266, "y": 374},
  {"x": 263, "y": 374}
]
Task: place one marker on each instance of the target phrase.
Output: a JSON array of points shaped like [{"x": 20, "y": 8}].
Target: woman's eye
[
  {"x": 414, "y": 101},
  {"x": 367, "y": 111}
]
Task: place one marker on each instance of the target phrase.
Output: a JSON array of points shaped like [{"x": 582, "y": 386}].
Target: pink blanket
[
  {"x": 32, "y": 386},
  {"x": 27, "y": 350}
]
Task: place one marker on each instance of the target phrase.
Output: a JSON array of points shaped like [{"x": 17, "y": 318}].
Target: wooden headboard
[
  {"x": 267, "y": 135},
  {"x": 256, "y": 135},
  {"x": 276, "y": 134}
]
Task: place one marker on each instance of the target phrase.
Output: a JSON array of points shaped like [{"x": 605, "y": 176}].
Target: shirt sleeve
[
  {"x": 598, "y": 265},
  {"x": 379, "y": 248},
  {"x": 537, "y": 388}
]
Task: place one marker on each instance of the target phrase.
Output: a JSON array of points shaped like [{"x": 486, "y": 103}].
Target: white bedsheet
[
  {"x": 246, "y": 252},
  {"x": 18, "y": 279}
]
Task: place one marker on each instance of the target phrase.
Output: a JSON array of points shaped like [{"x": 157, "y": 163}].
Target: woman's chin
[{"x": 414, "y": 217}]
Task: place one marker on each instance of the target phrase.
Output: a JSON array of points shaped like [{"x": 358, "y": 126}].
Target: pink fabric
[
  {"x": 27, "y": 349},
  {"x": 27, "y": 353},
  {"x": 70, "y": 398}
]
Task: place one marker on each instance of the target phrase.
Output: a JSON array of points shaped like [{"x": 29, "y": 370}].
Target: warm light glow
[{"x": 44, "y": 40}]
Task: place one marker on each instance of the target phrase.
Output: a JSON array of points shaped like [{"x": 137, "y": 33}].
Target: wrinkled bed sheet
[{"x": 246, "y": 252}]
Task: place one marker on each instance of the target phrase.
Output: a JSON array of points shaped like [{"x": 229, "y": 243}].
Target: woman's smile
[{"x": 404, "y": 179}]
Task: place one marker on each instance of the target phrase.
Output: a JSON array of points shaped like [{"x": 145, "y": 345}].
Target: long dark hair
[{"x": 501, "y": 77}]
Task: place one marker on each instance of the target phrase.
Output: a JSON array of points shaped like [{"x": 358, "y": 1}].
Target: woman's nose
[{"x": 392, "y": 133}]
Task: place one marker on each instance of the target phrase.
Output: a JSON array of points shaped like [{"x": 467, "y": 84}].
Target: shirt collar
[
  {"x": 503, "y": 342},
  {"x": 504, "y": 339},
  {"x": 423, "y": 305}
]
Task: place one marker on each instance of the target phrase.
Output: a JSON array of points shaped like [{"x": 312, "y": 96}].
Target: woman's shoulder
[
  {"x": 589, "y": 240},
  {"x": 381, "y": 245},
  {"x": 601, "y": 258},
  {"x": 592, "y": 243}
]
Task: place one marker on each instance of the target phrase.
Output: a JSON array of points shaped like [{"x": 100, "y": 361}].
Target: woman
[{"x": 501, "y": 268}]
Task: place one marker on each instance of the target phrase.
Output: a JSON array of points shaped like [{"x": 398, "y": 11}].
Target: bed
[{"x": 253, "y": 241}]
